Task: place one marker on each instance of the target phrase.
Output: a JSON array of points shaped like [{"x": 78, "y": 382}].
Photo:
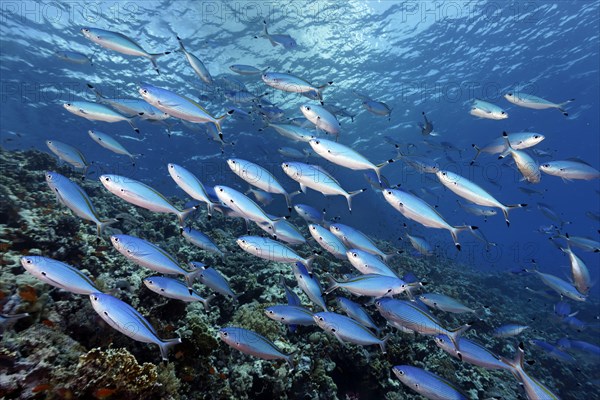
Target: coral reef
[{"x": 64, "y": 350}]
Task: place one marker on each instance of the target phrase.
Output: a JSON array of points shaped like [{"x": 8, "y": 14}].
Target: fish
[
  {"x": 353, "y": 238},
  {"x": 293, "y": 132},
  {"x": 259, "y": 177},
  {"x": 357, "y": 313},
  {"x": 309, "y": 284},
  {"x": 534, "y": 389},
  {"x": 244, "y": 206},
  {"x": 278, "y": 39},
  {"x": 367, "y": 263},
  {"x": 290, "y": 152},
  {"x": 583, "y": 243},
  {"x": 586, "y": 348},
  {"x": 409, "y": 315},
  {"x": 251, "y": 343},
  {"x": 483, "y": 109},
  {"x": 518, "y": 141},
  {"x": 378, "y": 108},
  {"x": 428, "y": 384},
  {"x": 68, "y": 154},
  {"x": 579, "y": 271},
  {"x": 480, "y": 211},
  {"x": 290, "y": 315},
  {"x": 76, "y": 199},
  {"x": 509, "y": 330},
  {"x": 372, "y": 285},
  {"x": 264, "y": 198},
  {"x": 526, "y": 165},
  {"x": 127, "y": 320},
  {"x": 553, "y": 351},
  {"x": 59, "y": 274},
  {"x": 346, "y": 329},
  {"x": 293, "y": 84},
  {"x": 426, "y": 127},
  {"x": 284, "y": 231},
  {"x": 317, "y": 178},
  {"x": 420, "y": 244},
  {"x": 174, "y": 289},
  {"x": 131, "y": 107},
  {"x": 416, "y": 209},
  {"x": 271, "y": 250},
  {"x": 120, "y": 43},
  {"x": 323, "y": 119},
  {"x": 73, "y": 57},
  {"x": 179, "y": 106},
  {"x": 473, "y": 192},
  {"x": 328, "y": 241},
  {"x": 570, "y": 169},
  {"x": 422, "y": 164},
  {"x": 345, "y": 156},
  {"x": 535, "y": 102},
  {"x": 471, "y": 352},
  {"x": 110, "y": 143},
  {"x": 196, "y": 64},
  {"x": 200, "y": 240},
  {"x": 549, "y": 213},
  {"x": 98, "y": 112},
  {"x": 311, "y": 214},
  {"x": 7, "y": 320},
  {"x": 191, "y": 185},
  {"x": 149, "y": 255},
  {"x": 210, "y": 277},
  {"x": 243, "y": 69},
  {"x": 560, "y": 286},
  {"x": 445, "y": 303},
  {"x": 142, "y": 195}
]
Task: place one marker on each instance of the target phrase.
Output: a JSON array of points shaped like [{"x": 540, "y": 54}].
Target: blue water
[{"x": 414, "y": 56}]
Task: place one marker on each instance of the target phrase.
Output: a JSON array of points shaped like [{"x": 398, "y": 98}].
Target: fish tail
[
  {"x": 516, "y": 364},
  {"x": 182, "y": 215},
  {"x": 506, "y": 209},
  {"x": 476, "y": 154},
  {"x": 321, "y": 88},
  {"x": 350, "y": 195},
  {"x": 387, "y": 257},
  {"x": 190, "y": 276},
  {"x": 455, "y": 335},
  {"x": 152, "y": 57},
  {"x": 181, "y": 47},
  {"x": 383, "y": 343},
  {"x": 378, "y": 167},
  {"x": 561, "y": 107},
  {"x": 206, "y": 302},
  {"x": 290, "y": 360},
  {"x": 130, "y": 122},
  {"x": 98, "y": 94},
  {"x": 165, "y": 345},
  {"x": 219, "y": 120},
  {"x": 333, "y": 284},
  {"x": 454, "y": 230},
  {"x": 309, "y": 263},
  {"x": 265, "y": 32},
  {"x": 103, "y": 224}
]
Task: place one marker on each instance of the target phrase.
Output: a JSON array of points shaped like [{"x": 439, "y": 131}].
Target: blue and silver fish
[
  {"x": 309, "y": 284},
  {"x": 76, "y": 199},
  {"x": 151, "y": 256},
  {"x": 471, "y": 352},
  {"x": 142, "y": 195},
  {"x": 127, "y": 320},
  {"x": 98, "y": 112},
  {"x": 367, "y": 263},
  {"x": 509, "y": 330},
  {"x": 279, "y": 39},
  {"x": 174, "y": 289},
  {"x": 59, "y": 274},
  {"x": 290, "y": 315},
  {"x": 371, "y": 285},
  {"x": 535, "y": 102},
  {"x": 120, "y": 43},
  {"x": 356, "y": 312},
  {"x": 271, "y": 250},
  {"x": 191, "y": 185},
  {"x": 353, "y": 238},
  {"x": 328, "y": 241},
  {"x": 252, "y": 343},
  {"x": 445, "y": 303},
  {"x": 68, "y": 154},
  {"x": 346, "y": 329},
  {"x": 196, "y": 64},
  {"x": 428, "y": 384},
  {"x": 200, "y": 240},
  {"x": 213, "y": 279}
]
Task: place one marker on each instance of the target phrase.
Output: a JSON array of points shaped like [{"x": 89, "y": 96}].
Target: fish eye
[
  {"x": 116, "y": 239},
  {"x": 307, "y": 108},
  {"x": 68, "y": 104},
  {"x": 509, "y": 94},
  {"x": 378, "y": 303},
  {"x": 28, "y": 261},
  {"x": 107, "y": 179},
  {"x": 271, "y": 312},
  {"x": 220, "y": 190},
  {"x": 317, "y": 142},
  {"x": 243, "y": 241},
  {"x": 536, "y": 136},
  {"x": 86, "y": 30},
  {"x": 150, "y": 282},
  {"x": 320, "y": 318},
  {"x": 354, "y": 255},
  {"x": 502, "y": 113},
  {"x": 96, "y": 298},
  {"x": 225, "y": 334}
]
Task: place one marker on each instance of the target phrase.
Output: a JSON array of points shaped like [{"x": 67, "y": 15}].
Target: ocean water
[{"x": 432, "y": 57}]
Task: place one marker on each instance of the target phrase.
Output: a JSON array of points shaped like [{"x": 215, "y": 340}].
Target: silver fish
[
  {"x": 252, "y": 343},
  {"x": 346, "y": 329},
  {"x": 174, "y": 289},
  {"x": 535, "y": 102},
  {"x": 59, "y": 274}
]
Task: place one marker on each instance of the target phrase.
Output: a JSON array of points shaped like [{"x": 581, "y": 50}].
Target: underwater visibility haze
[{"x": 303, "y": 200}]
